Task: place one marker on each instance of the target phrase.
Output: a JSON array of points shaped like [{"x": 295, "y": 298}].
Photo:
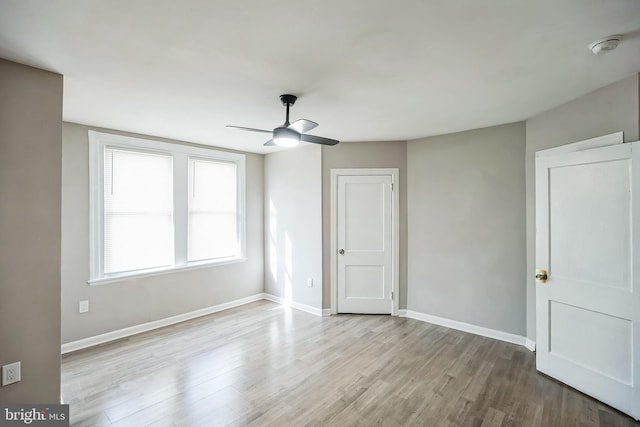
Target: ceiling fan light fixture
[{"x": 285, "y": 137}]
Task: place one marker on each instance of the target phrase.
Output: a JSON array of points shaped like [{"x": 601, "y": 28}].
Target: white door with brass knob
[
  {"x": 364, "y": 241},
  {"x": 588, "y": 281}
]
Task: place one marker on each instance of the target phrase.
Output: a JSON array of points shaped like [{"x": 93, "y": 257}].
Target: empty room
[{"x": 320, "y": 213}]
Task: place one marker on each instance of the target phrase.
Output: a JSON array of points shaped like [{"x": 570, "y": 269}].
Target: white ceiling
[{"x": 365, "y": 70}]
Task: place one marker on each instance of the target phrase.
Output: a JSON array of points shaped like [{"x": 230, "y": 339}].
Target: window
[
  {"x": 138, "y": 211},
  {"x": 213, "y": 228},
  {"x": 158, "y": 207}
]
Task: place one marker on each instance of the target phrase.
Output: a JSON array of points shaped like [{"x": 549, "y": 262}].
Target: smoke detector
[{"x": 605, "y": 45}]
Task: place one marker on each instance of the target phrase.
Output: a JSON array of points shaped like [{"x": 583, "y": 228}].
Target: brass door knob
[{"x": 541, "y": 276}]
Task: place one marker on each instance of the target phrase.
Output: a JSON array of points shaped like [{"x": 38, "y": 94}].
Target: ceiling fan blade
[
  {"x": 249, "y": 129},
  {"x": 318, "y": 140},
  {"x": 302, "y": 125},
  {"x": 269, "y": 143}
]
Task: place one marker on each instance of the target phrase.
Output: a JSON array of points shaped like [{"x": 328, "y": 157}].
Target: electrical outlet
[
  {"x": 11, "y": 373},
  {"x": 83, "y": 306},
  {"x": 309, "y": 282}
]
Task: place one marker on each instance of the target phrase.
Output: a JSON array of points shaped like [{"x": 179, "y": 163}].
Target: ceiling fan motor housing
[{"x": 288, "y": 99}]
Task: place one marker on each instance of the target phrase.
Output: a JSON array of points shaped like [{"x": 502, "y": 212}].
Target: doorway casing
[{"x": 394, "y": 173}]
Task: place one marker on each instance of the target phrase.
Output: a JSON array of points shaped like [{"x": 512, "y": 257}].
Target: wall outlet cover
[
  {"x": 83, "y": 306},
  {"x": 11, "y": 373}
]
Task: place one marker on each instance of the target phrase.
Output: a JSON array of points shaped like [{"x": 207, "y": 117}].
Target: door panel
[
  {"x": 364, "y": 281},
  {"x": 365, "y": 240},
  {"x": 590, "y": 212},
  {"x": 364, "y": 217},
  {"x": 588, "y": 310},
  {"x": 596, "y": 341}
]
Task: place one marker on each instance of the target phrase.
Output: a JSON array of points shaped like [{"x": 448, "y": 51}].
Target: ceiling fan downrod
[{"x": 288, "y": 100}]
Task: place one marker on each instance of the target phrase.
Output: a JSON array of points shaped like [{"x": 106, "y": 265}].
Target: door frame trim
[
  {"x": 395, "y": 231},
  {"x": 587, "y": 144}
]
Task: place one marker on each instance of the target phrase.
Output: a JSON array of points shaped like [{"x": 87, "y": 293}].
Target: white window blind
[
  {"x": 138, "y": 211},
  {"x": 213, "y": 210}
]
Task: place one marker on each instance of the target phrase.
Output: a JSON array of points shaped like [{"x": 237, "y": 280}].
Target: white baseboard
[
  {"x": 133, "y": 330},
  {"x": 530, "y": 344},
  {"x": 307, "y": 308},
  {"x": 298, "y": 306},
  {"x": 273, "y": 298},
  {"x": 467, "y": 327}
]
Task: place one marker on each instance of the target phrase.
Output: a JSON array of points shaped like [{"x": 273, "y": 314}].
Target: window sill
[{"x": 164, "y": 271}]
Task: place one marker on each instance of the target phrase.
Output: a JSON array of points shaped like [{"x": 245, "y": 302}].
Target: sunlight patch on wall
[
  {"x": 288, "y": 269},
  {"x": 273, "y": 241}
]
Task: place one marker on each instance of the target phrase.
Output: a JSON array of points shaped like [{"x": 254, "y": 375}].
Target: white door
[
  {"x": 588, "y": 311},
  {"x": 364, "y": 242}
]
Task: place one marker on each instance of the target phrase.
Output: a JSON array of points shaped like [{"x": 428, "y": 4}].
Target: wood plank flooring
[{"x": 261, "y": 364}]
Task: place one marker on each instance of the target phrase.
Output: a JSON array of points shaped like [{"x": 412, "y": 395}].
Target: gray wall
[
  {"x": 392, "y": 154},
  {"x": 134, "y": 301},
  {"x": 293, "y": 224},
  {"x": 610, "y": 109},
  {"x": 30, "y": 153},
  {"x": 466, "y": 204}
]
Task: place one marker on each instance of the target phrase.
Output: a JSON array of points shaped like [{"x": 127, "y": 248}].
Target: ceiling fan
[{"x": 290, "y": 134}]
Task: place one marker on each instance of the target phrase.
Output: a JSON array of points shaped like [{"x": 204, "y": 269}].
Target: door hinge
[
  {"x": 391, "y": 295},
  {"x": 392, "y": 186}
]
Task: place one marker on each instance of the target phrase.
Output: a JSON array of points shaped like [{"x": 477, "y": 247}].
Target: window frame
[{"x": 98, "y": 141}]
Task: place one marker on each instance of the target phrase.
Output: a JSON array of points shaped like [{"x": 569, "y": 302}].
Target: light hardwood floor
[{"x": 261, "y": 364}]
